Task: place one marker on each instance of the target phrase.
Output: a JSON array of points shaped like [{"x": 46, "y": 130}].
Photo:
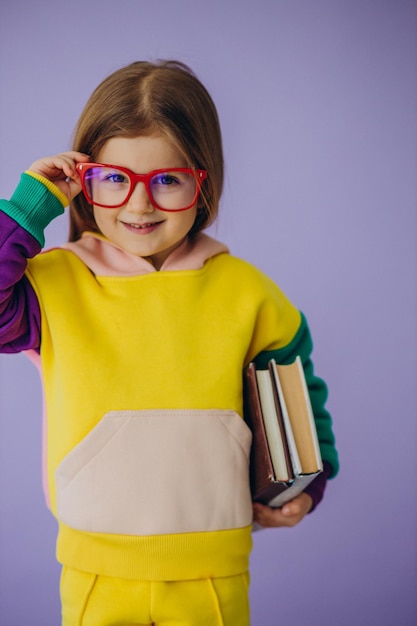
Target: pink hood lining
[{"x": 104, "y": 258}]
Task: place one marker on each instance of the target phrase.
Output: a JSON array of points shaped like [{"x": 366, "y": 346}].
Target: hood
[{"x": 104, "y": 258}]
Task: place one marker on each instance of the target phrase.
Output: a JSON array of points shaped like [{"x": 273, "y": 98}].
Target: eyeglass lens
[{"x": 170, "y": 190}]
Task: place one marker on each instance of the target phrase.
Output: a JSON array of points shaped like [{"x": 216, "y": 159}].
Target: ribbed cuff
[
  {"x": 51, "y": 186},
  {"x": 32, "y": 206}
]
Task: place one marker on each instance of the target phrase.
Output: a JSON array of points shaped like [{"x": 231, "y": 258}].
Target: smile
[{"x": 143, "y": 228}]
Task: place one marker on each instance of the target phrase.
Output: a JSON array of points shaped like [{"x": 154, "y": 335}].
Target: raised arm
[{"x": 41, "y": 195}]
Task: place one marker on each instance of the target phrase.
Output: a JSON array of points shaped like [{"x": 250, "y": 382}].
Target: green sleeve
[
  {"x": 32, "y": 206},
  {"x": 302, "y": 345}
]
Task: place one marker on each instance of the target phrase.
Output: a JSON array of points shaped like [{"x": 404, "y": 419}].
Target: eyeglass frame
[{"x": 134, "y": 179}]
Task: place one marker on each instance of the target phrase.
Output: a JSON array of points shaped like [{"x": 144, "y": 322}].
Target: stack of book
[{"x": 285, "y": 454}]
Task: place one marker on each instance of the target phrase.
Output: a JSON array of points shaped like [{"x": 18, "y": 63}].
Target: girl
[{"x": 142, "y": 325}]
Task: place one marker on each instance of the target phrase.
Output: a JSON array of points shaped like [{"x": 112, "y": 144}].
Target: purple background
[{"x": 317, "y": 101}]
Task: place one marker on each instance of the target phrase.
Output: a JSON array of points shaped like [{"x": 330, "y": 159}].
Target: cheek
[{"x": 189, "y": 219}]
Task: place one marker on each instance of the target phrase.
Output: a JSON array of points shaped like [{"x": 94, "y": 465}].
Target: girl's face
[{"x": 138, "y": 227}]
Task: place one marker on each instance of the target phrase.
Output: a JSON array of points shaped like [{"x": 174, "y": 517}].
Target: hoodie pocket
[{"x": 158, "y": 472}]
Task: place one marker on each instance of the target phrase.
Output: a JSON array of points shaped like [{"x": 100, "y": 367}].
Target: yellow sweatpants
[{"x": 91, "y": 600}]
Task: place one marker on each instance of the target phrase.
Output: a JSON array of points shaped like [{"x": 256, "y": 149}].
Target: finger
[
  {"x": 59, "y": 166},
  {"x": 290, "y": 509},
  {"x": 69, "y": 161},
  {"x": 300, "y": 505},
  {"x": 270, "y": 518}
]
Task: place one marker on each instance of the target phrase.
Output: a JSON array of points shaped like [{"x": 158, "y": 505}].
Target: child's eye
[
  {"x": 115, "y": 177},
  {"x": 165, "y": 179}
]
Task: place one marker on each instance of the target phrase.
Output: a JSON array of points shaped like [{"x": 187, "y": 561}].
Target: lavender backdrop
[{"x": 317, "y": 100}]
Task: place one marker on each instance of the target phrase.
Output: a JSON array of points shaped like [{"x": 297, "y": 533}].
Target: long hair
[{"x": 146, "y": 98}]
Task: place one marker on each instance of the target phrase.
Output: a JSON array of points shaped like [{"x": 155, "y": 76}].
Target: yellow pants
[{"x": 90, "y": 600}]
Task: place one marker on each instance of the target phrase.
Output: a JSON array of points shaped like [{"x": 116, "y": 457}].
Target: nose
[{"x": 139, "y": 201}]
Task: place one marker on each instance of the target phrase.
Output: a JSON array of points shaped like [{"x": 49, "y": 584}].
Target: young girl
[{"x": 142, "y": 326}]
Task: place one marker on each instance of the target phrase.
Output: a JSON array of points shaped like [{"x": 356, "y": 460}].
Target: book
[{"x": 285, "y": 453}]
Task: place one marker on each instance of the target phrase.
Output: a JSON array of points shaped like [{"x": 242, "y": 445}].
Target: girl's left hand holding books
[{"x": 289, "y": 515}]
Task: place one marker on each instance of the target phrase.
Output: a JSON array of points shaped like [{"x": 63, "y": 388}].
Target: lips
[{"x": 142, "y": 228}]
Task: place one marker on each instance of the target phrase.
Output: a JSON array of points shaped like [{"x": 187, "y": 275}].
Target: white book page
[{"x": 272, "y": 429}]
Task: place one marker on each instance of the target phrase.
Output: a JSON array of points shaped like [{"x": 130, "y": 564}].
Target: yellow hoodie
[{"x": 147, "y": 452}]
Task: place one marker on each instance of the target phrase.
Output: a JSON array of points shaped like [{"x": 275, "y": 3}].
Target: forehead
[{"x": 142, "y": 154}]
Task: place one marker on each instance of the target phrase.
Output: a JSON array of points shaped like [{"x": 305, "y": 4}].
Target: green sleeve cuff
[
  {"x": 302, "y": 345},
  {"x": 32, "y": 206},
  {"x": 51, "y": 186}
]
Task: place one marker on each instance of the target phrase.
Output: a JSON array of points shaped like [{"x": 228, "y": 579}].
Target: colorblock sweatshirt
[{"x": 146, "y": 451}]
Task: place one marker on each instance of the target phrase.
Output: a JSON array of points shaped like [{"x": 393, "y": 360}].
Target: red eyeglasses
[{"x": 111, "y": 186}]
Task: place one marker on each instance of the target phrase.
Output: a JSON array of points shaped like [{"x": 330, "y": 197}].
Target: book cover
[
  {"x": 285, "y": 455},
  {"x": 298, "y": 407},
  {"x": 264, "y": 485}
]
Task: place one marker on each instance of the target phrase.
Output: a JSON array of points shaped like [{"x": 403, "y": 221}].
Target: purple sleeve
[
  {"x": 316, "y": 488},
  {"x": 19, "y": 307}
]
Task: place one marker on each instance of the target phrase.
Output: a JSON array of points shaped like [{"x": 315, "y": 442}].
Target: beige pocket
[{"x": 158, "y": 472}]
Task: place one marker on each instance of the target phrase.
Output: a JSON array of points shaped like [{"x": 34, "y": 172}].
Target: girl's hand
[
  {"x": 291, "y": 513},
  {"x": 60, "y": 170}
]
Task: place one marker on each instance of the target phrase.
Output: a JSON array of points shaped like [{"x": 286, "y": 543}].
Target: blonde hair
[{"x": 144, "y": 98}]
